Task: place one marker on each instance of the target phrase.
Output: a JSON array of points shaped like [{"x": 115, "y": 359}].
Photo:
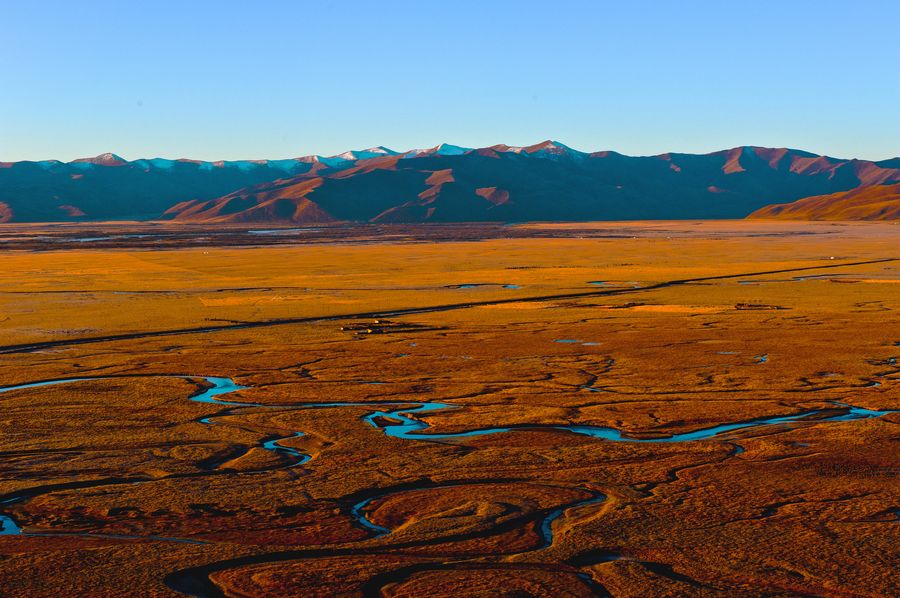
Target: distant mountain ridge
[{"x": 446, "y": 183}]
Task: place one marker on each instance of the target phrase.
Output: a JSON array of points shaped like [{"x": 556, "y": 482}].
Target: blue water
[
  {"x": 45, "y": 383},
  {"x": 546, "y": 528},
  {"x": 275, "y": 446},
  {"x": 400, "y": 423},
  {"x": 8, "y": 527},
  {"x": 397, "y": 423},
  {"x": 358, "y": 512},
  {"x": 220, "y": 386}
]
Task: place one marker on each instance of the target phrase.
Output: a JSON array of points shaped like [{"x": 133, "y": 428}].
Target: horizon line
[{"x": 421, "y": 149}]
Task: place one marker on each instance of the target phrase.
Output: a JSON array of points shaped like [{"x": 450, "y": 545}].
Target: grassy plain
[{"x": 122, "y": 488}]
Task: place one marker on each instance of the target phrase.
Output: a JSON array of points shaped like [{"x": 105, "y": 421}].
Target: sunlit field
[{"x": 634, "y": 409}]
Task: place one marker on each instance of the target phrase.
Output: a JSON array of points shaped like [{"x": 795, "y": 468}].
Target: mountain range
[{"x": 446, "y": 183}]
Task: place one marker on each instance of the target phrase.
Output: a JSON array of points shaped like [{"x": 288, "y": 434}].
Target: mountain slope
[
  {"x": 881, "y": 202},
  {"x": 446, "y": 183},
  {"x": 549, "y": 181},
  {"x": 108, "y": 188}
]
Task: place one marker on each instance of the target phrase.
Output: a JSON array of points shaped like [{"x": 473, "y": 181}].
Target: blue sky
[{"x": 278, "y": 79}]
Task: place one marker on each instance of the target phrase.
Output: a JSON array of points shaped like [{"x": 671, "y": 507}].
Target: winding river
[{"x": 401, "y": 422}]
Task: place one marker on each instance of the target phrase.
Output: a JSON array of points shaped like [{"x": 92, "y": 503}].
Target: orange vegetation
[
  {"x": 880, "y": 202},
  {"x": 124, "y": 486}
]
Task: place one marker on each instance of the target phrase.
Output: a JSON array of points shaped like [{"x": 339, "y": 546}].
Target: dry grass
[{"x": 809, "y": 508}]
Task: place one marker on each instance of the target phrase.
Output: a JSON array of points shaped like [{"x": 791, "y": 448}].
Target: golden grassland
[{"x": 123, "y": 470}]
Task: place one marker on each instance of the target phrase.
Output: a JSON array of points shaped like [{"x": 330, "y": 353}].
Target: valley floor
[{"x": 624, "y": 409}]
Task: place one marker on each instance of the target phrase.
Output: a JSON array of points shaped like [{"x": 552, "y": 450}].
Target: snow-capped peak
[
  {"x": 444, "y": 149},
  {"x": 553, "y": 150},
  {"x": 107, "y": 159},
  {"x": 372, "y": 152},
  {"x": 380, "y": 149},
  {"x": 549, "y": 146}
]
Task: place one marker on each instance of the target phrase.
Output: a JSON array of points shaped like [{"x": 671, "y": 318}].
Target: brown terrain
[
  {"x": 545, "y": 181},
  {"x": 881, "y": 202},
  {"x": 316, "y": 475},
  {"x": 443, "y": 184}
]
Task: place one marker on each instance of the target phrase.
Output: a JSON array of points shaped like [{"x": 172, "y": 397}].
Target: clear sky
[{"x": 279, "y": 79}]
